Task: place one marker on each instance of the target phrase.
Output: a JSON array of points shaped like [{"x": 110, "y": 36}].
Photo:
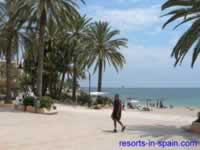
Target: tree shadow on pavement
[
  {"x": 10, "y": 110},
  {"x": 108, "y": 131},
  {"x": 163, "y": 132}
]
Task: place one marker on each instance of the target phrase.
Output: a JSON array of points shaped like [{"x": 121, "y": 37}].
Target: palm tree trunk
[
  {"x": 45, "y": 84},
  {"x": 74, "y": 81},
  {"x": 8, "y": 70},
  {"x": 40, "y": 58},
  {"x": 99, "y": 89},
  {"x": 62, "y": 83},
  {"x": 41, "y": 53}
]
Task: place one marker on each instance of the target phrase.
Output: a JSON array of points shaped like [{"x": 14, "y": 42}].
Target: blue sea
[{"x": 172, "y": 96}]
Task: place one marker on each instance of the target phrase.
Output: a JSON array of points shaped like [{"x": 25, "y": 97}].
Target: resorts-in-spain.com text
[{"x": 159, "y": 143}]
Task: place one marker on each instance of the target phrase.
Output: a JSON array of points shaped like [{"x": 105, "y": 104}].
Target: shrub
[
  {"x": 100, "y": 100},
  {"x": 84, "y": 98},
  {"x": 64, "y": 97},
  {"x": 104, "y": 100},
  {"x": 28, "y": 101},
  {"x": 108, "y": 100},
  {"x": 46, "y": 102},
  {"x": 3, "y": 91}
]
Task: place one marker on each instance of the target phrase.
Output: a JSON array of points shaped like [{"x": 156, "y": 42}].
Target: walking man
[{"x": 116, "y": 114}]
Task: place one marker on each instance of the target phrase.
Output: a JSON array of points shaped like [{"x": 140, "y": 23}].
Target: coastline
[
  {"x": 174, "y": 111},
  {"x": 178, "y": 97}
]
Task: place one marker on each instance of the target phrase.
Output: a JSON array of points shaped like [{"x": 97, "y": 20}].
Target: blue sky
[{"x": 148, "y": 54}]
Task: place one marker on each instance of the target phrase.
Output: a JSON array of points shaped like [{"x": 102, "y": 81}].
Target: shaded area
[
  {"x": 163, "y": 132},
  {"x": 8, "y": 110},
  {"x": 5, "y": 110},
  {"x": 108, "y": 131}
]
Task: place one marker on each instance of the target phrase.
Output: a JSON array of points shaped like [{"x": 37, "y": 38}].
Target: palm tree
[
  {"x": 188, "y": 11},
  {"x": 30, "y": 60},
  {"x": 78, "y": 27},
  {"x": 9, "y": 37},
  {"x": 59, "y": 55},
  {"x": 104, "y": 48},
  {"x": 39, "y": 13}
]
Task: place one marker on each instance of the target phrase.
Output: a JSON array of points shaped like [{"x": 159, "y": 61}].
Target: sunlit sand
[{"x": 78, "y": 128}]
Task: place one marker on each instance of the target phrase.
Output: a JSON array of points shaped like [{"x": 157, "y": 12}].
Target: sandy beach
[{"x": 78, "y": 128}]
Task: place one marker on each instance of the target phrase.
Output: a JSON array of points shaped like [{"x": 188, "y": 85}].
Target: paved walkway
[{"x": 82, "y": 129}]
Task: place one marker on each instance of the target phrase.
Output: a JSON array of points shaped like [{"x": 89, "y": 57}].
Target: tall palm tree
[
  {"x": 78, "y": 27},
  {"x": 38, "y": 13},
  {"x": 59, "y": 55},
  {"x": 30, "y": 59},
  {"x": 104, "y": 48},
  {"x": 188, "y": 11},
  {"x": 9, "y": 37}
]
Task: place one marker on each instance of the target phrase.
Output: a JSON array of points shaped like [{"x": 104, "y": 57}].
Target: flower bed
[
  {"x": 45, "y": 105},
  {"x": 6, "y": 106},
  {"x": 33, "y": 110}
]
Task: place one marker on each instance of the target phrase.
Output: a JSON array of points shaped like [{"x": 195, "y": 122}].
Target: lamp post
[
  {"x": 89, "y": 82},
  {"x": 20, "y": 67},
  {"x": 73, "y": 66}
]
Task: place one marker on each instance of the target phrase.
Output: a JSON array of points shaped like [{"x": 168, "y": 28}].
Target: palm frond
[
  {"x": 172, "y": 3},
  {"x": 186, "y": 42},
  {"x": 188, "y": 10}
]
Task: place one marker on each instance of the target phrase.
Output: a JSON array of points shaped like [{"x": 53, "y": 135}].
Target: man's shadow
[
  {"x": 163, "y": 132},
  {"x": 108, "y": 131}
]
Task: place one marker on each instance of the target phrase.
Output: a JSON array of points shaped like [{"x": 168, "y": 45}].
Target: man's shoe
[
  {"x": 123, "y": 128},
  {"x": 115, "y": 130}
]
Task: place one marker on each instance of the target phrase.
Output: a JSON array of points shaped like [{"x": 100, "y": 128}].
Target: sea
[{"x": 170, "y": 96}]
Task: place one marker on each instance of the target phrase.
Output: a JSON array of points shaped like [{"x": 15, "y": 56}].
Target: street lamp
[{"x": 89, "y": 82}]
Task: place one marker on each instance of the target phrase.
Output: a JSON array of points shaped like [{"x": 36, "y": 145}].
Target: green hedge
[
  {"x": 104, "y": 100},
  {"x": 28, "y": 101},
  {"x": 46, "y": 102},
  {"x": 84, "y": 99}
]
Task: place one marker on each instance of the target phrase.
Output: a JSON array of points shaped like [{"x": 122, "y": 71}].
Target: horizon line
[{"x": 146, "y": 87}]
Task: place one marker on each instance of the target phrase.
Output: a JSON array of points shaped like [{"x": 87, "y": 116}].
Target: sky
[{"x": 148, "y": 60}]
